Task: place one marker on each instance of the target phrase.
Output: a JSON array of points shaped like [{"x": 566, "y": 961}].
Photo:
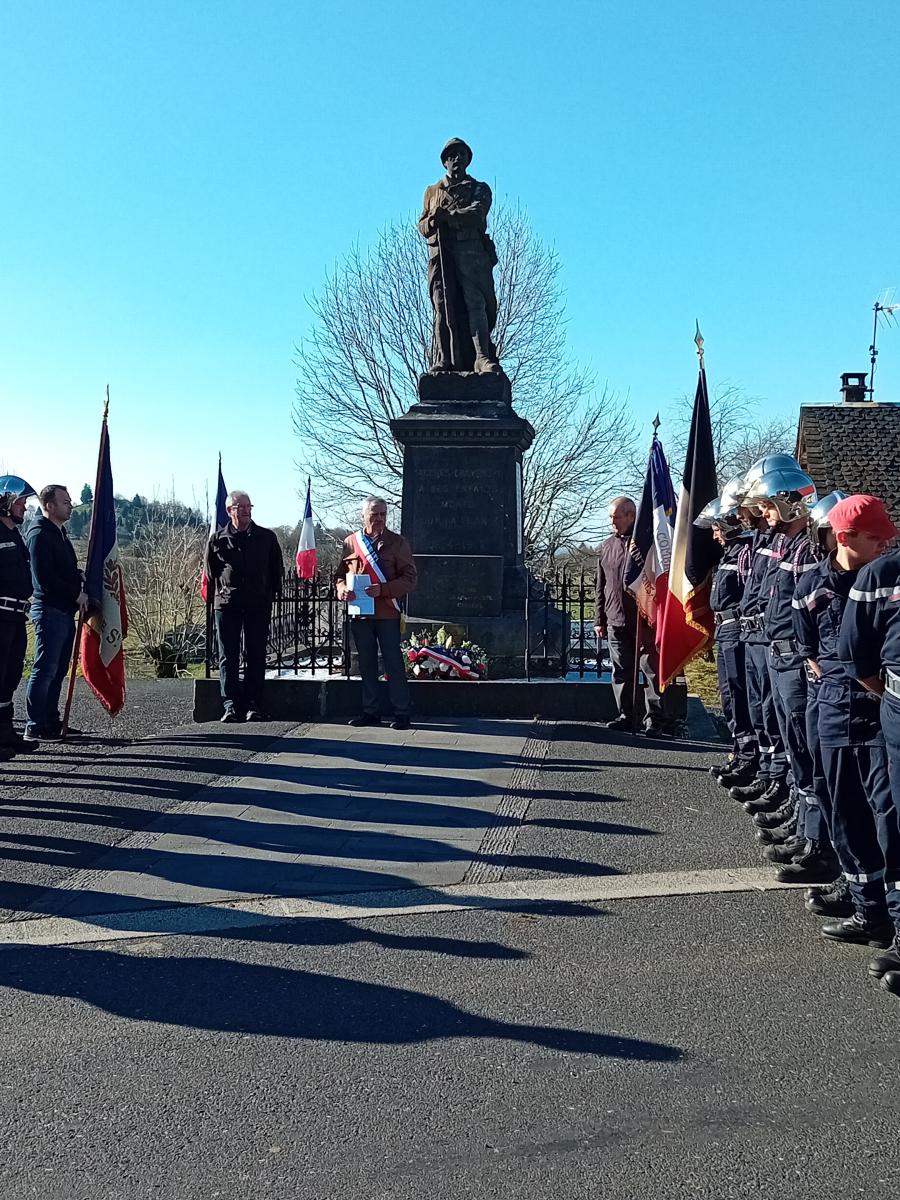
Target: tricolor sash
[{"x": 369, "y": 556}]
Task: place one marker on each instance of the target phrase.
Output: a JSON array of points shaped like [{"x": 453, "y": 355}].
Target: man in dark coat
[
  {"x": 616, "y": 620},
  {"x": 245, "y": 570},
  {"x": 58, "y": 594}
]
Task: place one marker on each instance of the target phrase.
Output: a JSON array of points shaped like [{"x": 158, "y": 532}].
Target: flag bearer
[
  {"x": 725, "y": 597},
  {"x": 770, "y": 786},
  {"x": 869, "y": 648}
]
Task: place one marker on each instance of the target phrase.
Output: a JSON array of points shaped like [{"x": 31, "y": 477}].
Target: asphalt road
[{"x": 700, "y": 1045}]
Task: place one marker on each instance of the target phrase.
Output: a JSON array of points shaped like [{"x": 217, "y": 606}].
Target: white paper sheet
[{"x": 363, "y": 605}]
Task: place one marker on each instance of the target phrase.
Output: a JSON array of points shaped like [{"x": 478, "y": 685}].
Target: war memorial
[{"x": 464, "y": 447}]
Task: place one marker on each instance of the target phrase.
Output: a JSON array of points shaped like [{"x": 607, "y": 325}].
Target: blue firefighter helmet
[{"x": 13, "y": 488}]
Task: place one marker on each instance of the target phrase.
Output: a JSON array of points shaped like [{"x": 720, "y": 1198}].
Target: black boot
[
  {"x": 786, "y": 851},
  {"x": 10, "y": 742},
  {"x": 814, "y": 865},
  {"x": 891, "y": 982},
  {"x": 723, "y": 768},
  {"x": 889, "y": 961},
  {"x": 833, "y": 901},
  {"x": 740, "y": 776},
  {"x": 774, "y": 837},
  {"x": 778, "y": 816},
  {"x": 749, "y": 791},
  {"x": 864, "y": 931},
  {"x": 771, "y": 799}
]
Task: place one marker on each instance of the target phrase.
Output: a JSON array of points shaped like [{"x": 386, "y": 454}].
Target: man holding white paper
[{"x": 375, "y": 574}]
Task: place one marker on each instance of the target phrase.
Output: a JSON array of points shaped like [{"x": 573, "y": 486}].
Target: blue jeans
[{"x": 54, "y": 637}]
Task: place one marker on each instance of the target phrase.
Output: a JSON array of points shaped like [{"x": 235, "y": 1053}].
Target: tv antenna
[{"x": 884, "y": 307}]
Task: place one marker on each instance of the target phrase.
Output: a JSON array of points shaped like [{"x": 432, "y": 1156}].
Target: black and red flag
[{"x": 687, "y": 621}]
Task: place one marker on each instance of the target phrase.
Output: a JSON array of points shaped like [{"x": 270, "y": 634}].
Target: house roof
[{"x": 854, "y": 447}]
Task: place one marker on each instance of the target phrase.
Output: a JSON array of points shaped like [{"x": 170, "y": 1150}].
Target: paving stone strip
[{"x": 499, "y": 842}]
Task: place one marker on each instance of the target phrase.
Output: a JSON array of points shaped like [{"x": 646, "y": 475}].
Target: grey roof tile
[{"x": 855, "y": 447}]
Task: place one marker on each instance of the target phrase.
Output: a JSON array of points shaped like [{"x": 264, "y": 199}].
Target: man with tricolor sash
[{"x": 386, "y": 559}]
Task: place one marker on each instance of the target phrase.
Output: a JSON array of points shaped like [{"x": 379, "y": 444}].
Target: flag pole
[
  {"x": 638, "y": 625},
  {"x": 76, "y": 649}
]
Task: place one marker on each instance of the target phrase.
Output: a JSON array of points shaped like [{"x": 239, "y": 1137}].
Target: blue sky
[{"x": 177, "y": 178}]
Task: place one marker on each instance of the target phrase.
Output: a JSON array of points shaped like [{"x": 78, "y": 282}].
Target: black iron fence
[
  {"x": 310, "y": 631},
  {"x": 578, "y": 652}
]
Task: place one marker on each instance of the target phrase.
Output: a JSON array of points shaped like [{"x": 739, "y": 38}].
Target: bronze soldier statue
[{"x": 461, "y": 261}]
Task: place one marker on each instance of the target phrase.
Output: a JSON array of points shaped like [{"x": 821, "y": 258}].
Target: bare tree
[
  {"x": 741, "y": 434},
  {"x": 162, "y": 573},
  {"x": 371, "y": 340}
]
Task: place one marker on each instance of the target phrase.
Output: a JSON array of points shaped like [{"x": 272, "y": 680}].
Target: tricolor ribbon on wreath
[
  {"x": 369, "y": 556},
  {"x": 419, "y": 652}
]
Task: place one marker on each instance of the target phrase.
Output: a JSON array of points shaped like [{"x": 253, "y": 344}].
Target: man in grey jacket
[{"x": 616, "y": 620}]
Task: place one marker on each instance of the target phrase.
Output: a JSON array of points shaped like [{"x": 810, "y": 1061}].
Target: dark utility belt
[
  {"x": 753, "y": 623},
  {"x": 785, "y": 648},
  {"x": 7, "y": 604},
  {"x": 892, "y": 682},
  {"x": 725, "y": 615}
]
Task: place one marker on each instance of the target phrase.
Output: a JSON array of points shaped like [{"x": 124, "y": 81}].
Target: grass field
[{"x": 137, "y": 666}]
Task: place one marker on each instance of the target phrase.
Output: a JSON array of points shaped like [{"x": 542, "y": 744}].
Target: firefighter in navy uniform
[
  {"x": 15, "y": 593},
  {"x": 826, "y": 900},
  {"x": 860, "y": 811},
  {"x": 786, "y": 497},
  {"x": 725, "y": 596},
  {"x": 770, "y": 785},
  {"x": 869, "y": 648}
]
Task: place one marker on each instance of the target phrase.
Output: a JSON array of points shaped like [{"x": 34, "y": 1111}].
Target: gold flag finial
[
  {"x": 106, "y": 404},
  {"x": 698, "y": 341},
  {"x": 656, "y": 424}
]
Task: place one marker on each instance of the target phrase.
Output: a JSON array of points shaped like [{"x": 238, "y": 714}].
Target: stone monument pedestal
[{"x": 462, "y": 514}]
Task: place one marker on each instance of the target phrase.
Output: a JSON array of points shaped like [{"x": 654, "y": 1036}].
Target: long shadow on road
[{"x": 269, "y": 1001}]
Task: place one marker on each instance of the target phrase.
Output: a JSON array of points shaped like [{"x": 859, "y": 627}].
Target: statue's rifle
[{"x": 448, "y": 286}]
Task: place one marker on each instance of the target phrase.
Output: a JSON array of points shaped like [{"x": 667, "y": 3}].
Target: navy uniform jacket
[
  {"x": 728, "y": 586},
  {"x": 848, "y": 714},
  {"x": 765, "y": 554},
  {"x": 798, "y": 557},
  {"x": 15, "y": 574},
  {"x": 870, "y": 631}
]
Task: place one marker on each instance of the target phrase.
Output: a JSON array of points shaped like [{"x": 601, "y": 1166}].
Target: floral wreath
[{"x": 437, "y": 654}]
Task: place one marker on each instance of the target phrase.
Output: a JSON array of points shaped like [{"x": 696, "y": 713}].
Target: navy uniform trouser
[
  {"x": 890, "y": 824},
  {"x": 822, "y": 799},
  {"x": 772, "y": 759},
  {"x": 865, "y": 828},
  {"x": 732, "y": 675},
  {"x": 791, "y": 702}
]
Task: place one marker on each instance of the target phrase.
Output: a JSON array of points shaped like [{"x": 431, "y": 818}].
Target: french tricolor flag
[
  {"x": 306, "y": 549},
  {"x": 106, "y": 627},
  {"x": 218, "y": 519}
]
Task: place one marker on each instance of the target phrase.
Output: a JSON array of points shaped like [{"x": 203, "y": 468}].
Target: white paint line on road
[{"x": 267, "y": 910}]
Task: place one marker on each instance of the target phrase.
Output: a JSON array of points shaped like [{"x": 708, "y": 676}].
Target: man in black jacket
[
  {"x": 15, "y": 592},
  {"x": 58, "y": 593},
  {"x": 245, "y": 569}
]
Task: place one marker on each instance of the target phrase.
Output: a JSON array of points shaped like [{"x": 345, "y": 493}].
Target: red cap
[{"x": 866, "y": 514}]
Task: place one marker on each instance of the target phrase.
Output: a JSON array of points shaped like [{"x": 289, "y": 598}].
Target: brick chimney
[{"x": 853, "y": 387}]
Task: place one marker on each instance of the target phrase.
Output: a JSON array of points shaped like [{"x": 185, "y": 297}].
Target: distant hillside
[{"x": 132, "y": 513}]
